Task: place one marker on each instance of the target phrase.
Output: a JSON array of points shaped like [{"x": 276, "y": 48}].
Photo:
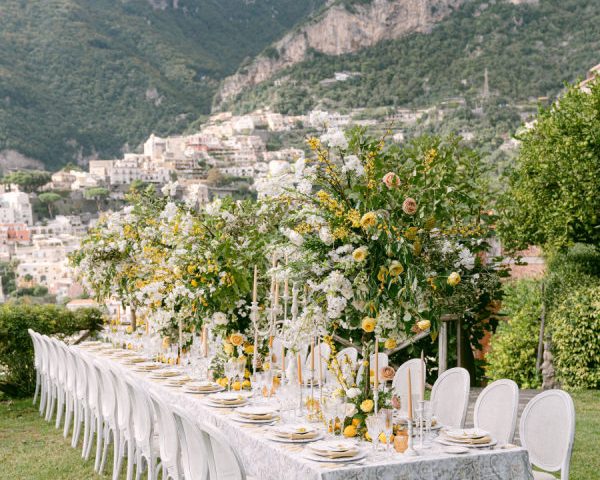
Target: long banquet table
[{"x": 265, "y": 459}]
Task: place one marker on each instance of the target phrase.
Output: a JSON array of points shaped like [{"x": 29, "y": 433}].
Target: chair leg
[
  {"x": 99, "y": 441},
  {"x": 139, "y": 467},
  {"x": 86, "y": 430},
  {"x": 60, "y": 407},
  {"x": 37, "y": 386},
  {"x": 104, "y": 450},
  {"x": 130, "y": 459},
  {"x": 43, "y": 396},
  {"x": 50, "y": 403},
  {"x": 69, "y": 403},
  {"x": 117, "y": 456},
  {"x": 90, "y": 437},
  {"x": 76, "y": 426}
]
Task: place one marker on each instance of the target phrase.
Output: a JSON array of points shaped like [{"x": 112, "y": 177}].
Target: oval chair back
[
  {"x": 450, "y": 397},
  {"x": 547, "y": 430},
  {"x": 383, "y": 362},
  {"x": 400, "y": 382},
  {"x": 496, "y": 410},
  {"x": 167, "y": 437}
]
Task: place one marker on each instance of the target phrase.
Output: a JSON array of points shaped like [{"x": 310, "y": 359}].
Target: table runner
[{"x": 268, "y": 460}]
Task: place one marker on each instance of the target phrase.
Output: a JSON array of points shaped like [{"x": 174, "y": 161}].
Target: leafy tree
[
  {"x": 27, "y": 180},
  {"x": 8, "y": 275},
  {"x": 553, "y": 196},
  {"x": 96, "y": 193},
  {"x": 215, "y": 178},
  {"x": 49, "y": 199}
]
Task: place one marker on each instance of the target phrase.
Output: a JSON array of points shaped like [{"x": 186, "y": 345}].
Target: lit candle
[
  {"x": 409, "y": 406},
  {"x": 299, "y": 370},
  {"x": 255, "y": 285},
  {"x": 422, "y": 376},
  {"x": 276, "y": 294},
  {"x": 376, "y": 363}
]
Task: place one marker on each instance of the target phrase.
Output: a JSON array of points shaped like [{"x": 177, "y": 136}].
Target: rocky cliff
[{"x": 337, "y": 30}]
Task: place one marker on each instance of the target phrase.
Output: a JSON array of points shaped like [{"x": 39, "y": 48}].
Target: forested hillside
[
  {"x": 529, "y": 50},
  {"x": 80, "y": 78}
]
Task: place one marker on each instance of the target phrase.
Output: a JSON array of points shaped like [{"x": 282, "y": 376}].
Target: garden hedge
[{"x": 17, "y": 373}]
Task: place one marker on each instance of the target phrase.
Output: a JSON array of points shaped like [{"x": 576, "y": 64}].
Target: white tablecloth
[{"x": 268, "y": 460}]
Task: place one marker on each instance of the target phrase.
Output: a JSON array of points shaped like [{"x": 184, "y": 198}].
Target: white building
[{"x": 15, "y": 207}]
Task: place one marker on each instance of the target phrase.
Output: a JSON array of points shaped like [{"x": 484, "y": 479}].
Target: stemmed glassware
[
  {"x": 374, "y": 427},
  {"x": 428, "y": 417},
  {"x": 230, "y": 370},
  {"x": 387, "y": 423}
]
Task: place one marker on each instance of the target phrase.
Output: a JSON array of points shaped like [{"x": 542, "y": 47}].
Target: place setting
[
  {"x": 256, "y": 414},
  {"x": 296, "y": 433},
  {"x": 334, "y": 451},
  {"x": 227, "y": 399},
  {"x": 204, "y": 387},
  {"x": 459, "y": 440}
]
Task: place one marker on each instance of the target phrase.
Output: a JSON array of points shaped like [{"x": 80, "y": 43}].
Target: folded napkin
[
  {"x": 296, "y": 436},
  {"x": 333, "y": 455},
  {"x": 250, "y": 416},
  {"x": 471, "y": 441}
]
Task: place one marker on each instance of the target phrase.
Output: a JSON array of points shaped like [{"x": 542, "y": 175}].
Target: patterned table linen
[{"x": 268, "y": 460}]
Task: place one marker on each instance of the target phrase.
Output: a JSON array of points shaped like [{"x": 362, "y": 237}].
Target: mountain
[
  {"x": 82, "y": 78},
  {"x": 343, "y": 27},
  {"x": 529, "y": 49}
]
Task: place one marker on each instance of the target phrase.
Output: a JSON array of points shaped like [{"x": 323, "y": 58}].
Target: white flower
[
  {"x": 304, "y": 187},
  {"x": 350, "y": 409},
  {"x": 335, "y": 138},
  {"x": 325, "y": 235},
  {"x": 170, "y": 189},
  {"x": 214, "y": 207},
  {"x": 353, "y": 164},
  {"x": 219, "y": 318},
  {"x": 294, "y": 237},
  {"x": 352, "y": 393}
]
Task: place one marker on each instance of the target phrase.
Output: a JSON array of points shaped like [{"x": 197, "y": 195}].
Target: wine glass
[
  {"x": 374, "y": 428},
  {"x": 229, "y": 373},
  {"x": 428, "y": 417},
  {"x": 387, "y": 422}
]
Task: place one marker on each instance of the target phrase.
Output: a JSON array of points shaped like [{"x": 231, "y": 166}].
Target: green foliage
[
  {"x": 95, "y": 192},
  {"x": 48, "y": 199},
  {"x": 577, "y": 267},
  {"x": 552, "y": 197},
  {"x": 529, "y": 50},
  {"x": 16, "y": 348},
  {"x": 28, "y": 180},
  {"x": 514, "y": 346},
  {"x": 575, "y": 326},
  {"x": 88, "y": 76},
  {"x": 8, "y": 275}
]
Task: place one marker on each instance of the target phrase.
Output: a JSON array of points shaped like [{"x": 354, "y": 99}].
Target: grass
[{"x": 31, "y": 449}]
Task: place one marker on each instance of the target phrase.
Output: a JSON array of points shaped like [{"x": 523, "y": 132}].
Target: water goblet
[
  {"x": 374, "y": 428},
  {"x": 387, "y": 421},
  {"x": 229, "y": 373},
  {"x": 428, "y": 417}
]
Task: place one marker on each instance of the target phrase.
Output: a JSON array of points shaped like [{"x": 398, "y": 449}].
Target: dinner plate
[
  {"x": 461, "y": 433},
  {"x": 269, "y": 421},
  {"x": 187, "y": 389},
  {"x": 276, "y": 438},
  {"x": 225, "y": 405},
  {"x": 317, "y": 458},
  {"x": 445, "y": 441},
  {"x": 456, "y": 450}
]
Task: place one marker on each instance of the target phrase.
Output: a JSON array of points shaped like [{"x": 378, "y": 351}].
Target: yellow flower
[
  {"x": 350, "y": 431},
  {"x": 246, "y": 373},
  {"x": 411, "y": 233},
  {"x": 228, "y": 348},
  {"x": 236, "y": 386},
  {"x": 390, "y": 343},
  {"x": 246, "y": 384},
  {"x": 191, "y": 269},
  {"x": 340, "y": 233},
  {"x": 368, "y": 324},
  {"x": 423, "y": 325},
  {"x": 353, "y": 217},
  {"x": 166, "y": 343},
  {"x": 453, "y": 279},
  {"x": 194, "y": 283},
  {"x": 396, "y": 268},
  {"x": 367, "y": 405},
  {"x": 249, "y": 349},
  {"x": 129, "y": 329},
  {"x": 236, "y": 339},
  {"x": 360, "y": 254},
  {"x": 369, "y": 219},
  {"x": 417, "y": 247},
  {"x": 383, "y": 271},
  {"x": 314, "y": 143},
  {"x": 222, "y": 381},
  {"x": 355, "y": 422},
  {"x": 382, "y": 437}
]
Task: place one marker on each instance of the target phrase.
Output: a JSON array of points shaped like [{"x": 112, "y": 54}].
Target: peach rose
[
  {"x": 409, "y": 206},
  {"x": 387, "y": 373},
  {"x": 391, "y": 180}
]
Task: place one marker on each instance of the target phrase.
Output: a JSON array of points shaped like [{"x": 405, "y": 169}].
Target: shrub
[
  {"x": 577, "y": 267},
  {"x": 17, "y": 373},
  {"x": 514, "y": 345},
  {"x": 575, "y": 327}
]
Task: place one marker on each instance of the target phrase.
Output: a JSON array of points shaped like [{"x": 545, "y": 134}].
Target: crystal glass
[
  {"x": 387, "y": 422},
  {"x": 374, "y": 425},
  {"x": 267, "y": 383},
  {"x": 427, "y": 417},
  {"x": 230, "y": 370},
  {"x": 329, "y": 411}
]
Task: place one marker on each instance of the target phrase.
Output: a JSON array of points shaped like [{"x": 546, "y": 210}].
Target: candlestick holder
[
  {"x": 376, "y": 399},
  {"x": 254, "y": 319},
  {"x": 410, "y": 451}
]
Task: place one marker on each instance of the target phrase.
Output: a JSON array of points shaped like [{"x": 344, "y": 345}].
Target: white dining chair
[
  {"x": 383, "y": 362},
  {"x": 81, "y": 394},
  {"x": 147, "y": 450},
  {"x": 400, "y": 381},
  {"x": 547, "y": 431},
  {"x": 450, "y": 397},
  {"x": 71, "y": 391},
  {"x": 348, "y": 355},
  {"x": 44, "y": 373},
  {"x": 93, "y": 424},
  {"x": 168, "y": 440},
  {"x": 205, "y": 452},
  {"x": 110, "y": 427},
  {"x": 496, "y": 410},
  {"x": 36, "y": 363}
]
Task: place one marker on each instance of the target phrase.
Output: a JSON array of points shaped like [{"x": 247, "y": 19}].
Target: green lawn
[{"x": 31, "y": 449}]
